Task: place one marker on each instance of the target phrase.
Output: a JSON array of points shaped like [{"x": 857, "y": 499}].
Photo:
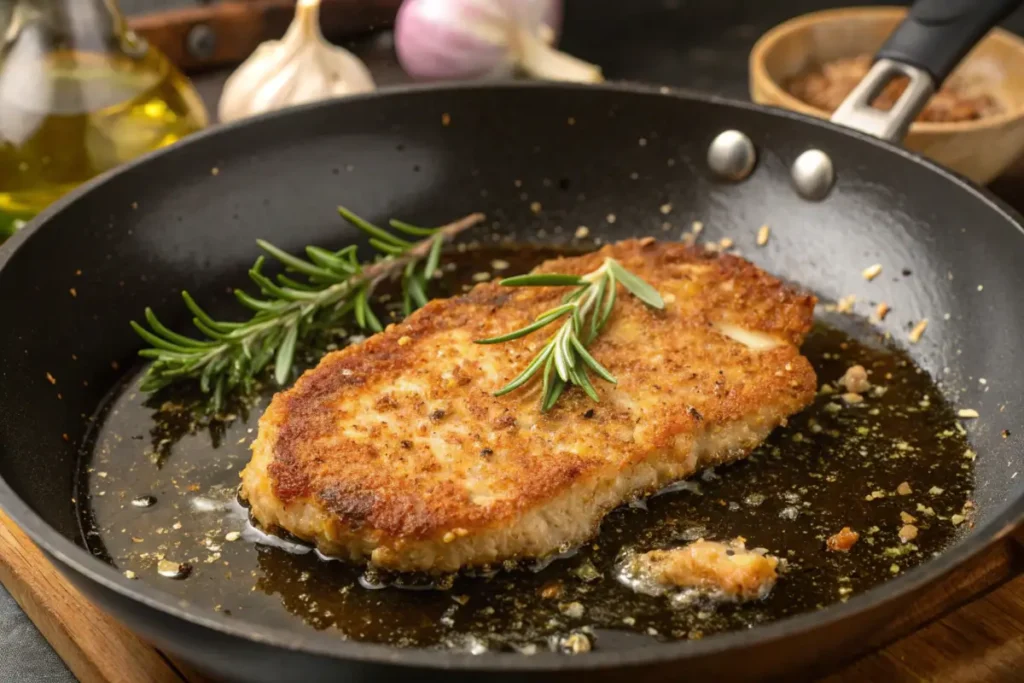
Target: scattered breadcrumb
[
  {"x": 214, "y": 171},
  {"x": 967, "y": 413},
  {"x": 908, "y": 533},
  {"x": 904, "y": 489},
  {"x": 697, "y": 227},
  {"x": 582, "y": 231},
  {"x": 852, "y": 398},
  {"x": 843, "y": 540},
  {"x": 610, "y": 218},
  {"x": 551, "y": 591},
  {"x": 845, "y": 305},
  {"x": 573, "y": 610},
  {"x": 882, "y": 310},
  {"x": 535, "y": 207},
  {"x": 666, "y": 208},
  {"x": 915, "y": 334},
  {"x": 871, "y": 272},
  {"x": 725, "y": 242},
  {"x": 907, "y": 518},
  {"x": 855, "y": 379},
  {"x": 762, "y": 235}
]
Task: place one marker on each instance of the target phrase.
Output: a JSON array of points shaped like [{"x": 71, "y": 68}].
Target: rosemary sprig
[
  {"x": 333, "y": 285},
  {"x": 564, "y": 358}
]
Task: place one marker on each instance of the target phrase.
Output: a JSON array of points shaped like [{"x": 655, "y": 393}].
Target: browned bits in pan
[{"x": 843, "y": 540}]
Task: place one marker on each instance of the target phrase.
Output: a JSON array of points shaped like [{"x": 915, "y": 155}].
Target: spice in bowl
[{"x": 826, "y": 86}]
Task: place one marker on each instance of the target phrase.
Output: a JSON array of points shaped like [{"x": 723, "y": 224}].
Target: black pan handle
[
  {"x": 925, "y": 47},
  {"x": 937, "y": 34}
]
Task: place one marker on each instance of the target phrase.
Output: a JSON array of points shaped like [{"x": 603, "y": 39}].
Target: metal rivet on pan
[
  {"x": 201, "y": 41},
  {"x": 813, "y": 174},
  {"x": 732, "y": 155}
]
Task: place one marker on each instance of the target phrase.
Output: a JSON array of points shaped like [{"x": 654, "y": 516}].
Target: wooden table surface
[{"x": 981, "y": 641}]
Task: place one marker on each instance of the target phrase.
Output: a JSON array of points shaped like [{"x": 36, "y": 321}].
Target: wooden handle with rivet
[{"x": 227, "y": 32}]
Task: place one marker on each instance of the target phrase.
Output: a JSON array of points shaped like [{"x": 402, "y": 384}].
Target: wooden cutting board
[{"x": 969, "y": 627}]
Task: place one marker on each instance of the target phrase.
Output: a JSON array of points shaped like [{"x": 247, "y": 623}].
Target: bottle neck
[{"x": 86, "y": 25}]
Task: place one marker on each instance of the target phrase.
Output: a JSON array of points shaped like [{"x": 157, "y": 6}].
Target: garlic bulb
[
  {"x": 300, "y": 67},
  {"x": 457, "y": 39}
]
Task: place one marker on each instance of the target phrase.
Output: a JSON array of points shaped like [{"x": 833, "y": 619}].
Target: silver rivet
[
  {"x": 813, "y": 174},
  {"x": 201, "y": 41},
  {"x": 732, "y": 155}
]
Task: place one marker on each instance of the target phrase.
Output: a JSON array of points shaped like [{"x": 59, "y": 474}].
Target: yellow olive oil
[{"x": 72, "y": 115}]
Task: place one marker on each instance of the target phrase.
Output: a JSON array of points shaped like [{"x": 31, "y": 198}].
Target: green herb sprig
[
  {"x": 314, "y": 293},
  {"x": 564, "y": 358}
]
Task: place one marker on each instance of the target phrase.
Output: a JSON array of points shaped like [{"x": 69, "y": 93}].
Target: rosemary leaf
[
  {"x": 286, "y": 355},
  {"x": 372, "y": 230},
  {"x": 433, "y": 258},
  {"x": 542, "y": 321},
  {"x": 637, "y": 287},
  {"x": 528, "y": 373},
  {"x": 542, "y": 280},
  {"x": 409, "y": 229}
]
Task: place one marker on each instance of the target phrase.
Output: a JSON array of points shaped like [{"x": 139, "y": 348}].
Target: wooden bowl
[{"x": 980, "y": 149}]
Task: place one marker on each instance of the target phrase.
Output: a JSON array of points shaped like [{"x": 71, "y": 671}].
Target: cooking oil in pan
[
  {"x": 897, "y": 458},
  {"x": 70, "y": 116}
]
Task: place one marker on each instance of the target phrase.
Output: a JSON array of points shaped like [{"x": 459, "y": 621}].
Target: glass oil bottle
[{"x": 80, "y": 93}]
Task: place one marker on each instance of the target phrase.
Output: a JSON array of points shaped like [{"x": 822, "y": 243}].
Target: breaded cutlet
[{"x": 396, "y": 452}]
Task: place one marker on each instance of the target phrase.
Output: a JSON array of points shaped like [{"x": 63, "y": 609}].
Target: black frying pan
[{"x": 134, "y": 238}]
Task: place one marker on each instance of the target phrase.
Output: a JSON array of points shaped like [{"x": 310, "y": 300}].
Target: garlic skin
[{"x": 300, "y": 67}]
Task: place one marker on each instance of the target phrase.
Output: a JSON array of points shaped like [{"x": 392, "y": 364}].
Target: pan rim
[{"x": 77, "y": 559}]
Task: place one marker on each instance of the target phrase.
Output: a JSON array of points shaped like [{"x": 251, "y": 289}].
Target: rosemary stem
[{"x": 387, "y": 267}]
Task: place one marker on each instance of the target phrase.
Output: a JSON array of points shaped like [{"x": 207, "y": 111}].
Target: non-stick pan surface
[{"x": 168, "y": 222}]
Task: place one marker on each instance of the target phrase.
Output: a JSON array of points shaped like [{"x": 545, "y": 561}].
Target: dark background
[{"x": 699, "y": 44}]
